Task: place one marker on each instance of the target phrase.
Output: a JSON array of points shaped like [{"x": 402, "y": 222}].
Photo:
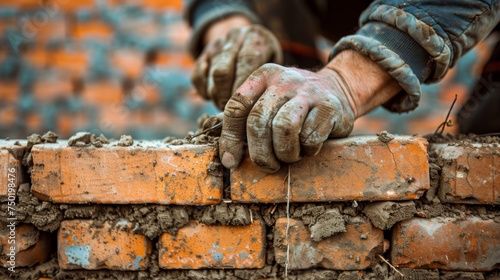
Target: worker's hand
[
  {"x": 227, "y": 61},
  {"x": 287, "y": 113}
]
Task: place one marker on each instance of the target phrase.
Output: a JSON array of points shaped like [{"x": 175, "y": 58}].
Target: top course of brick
[
  {"x": 363, "y": 168},
  {"x": 145, "y": 172},
  {"x": 356, "y": 168}
]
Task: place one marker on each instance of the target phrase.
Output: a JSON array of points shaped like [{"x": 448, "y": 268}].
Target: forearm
[{"x": 369, "y": 84}]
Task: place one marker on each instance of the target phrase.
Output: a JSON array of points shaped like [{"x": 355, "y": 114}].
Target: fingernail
[{"x": 228, "y": 160}]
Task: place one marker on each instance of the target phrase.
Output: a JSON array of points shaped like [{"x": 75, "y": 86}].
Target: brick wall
[{"x": 152, "y": 210}]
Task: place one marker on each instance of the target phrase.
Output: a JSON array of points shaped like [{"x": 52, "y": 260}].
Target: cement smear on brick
[{"x": 384, "y": 215}]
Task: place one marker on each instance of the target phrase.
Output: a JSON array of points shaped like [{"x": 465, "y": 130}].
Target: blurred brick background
[
  {"x": 106, "y": 66},
  {"x": 121, "y": 67}
]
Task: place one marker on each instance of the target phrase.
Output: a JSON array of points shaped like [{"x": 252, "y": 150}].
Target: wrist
[
  {"x": 367, "y": 84},
  {"x": 223, "y": 26}
]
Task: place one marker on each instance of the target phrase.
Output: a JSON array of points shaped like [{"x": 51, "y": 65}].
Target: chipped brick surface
[
  {"x": 471, "y": 174},
  {"x": 83, "y": 244},
  {"x": 28, "y": 245},
  {"x": 355, "y": 168},
  {"x": 471, "y": 244},
  {"x": 353, "y": 250},
  {"x": 148, "y": 172},
  {"x": 201, "y": 246},
  {"x": 11, "y": 157}
]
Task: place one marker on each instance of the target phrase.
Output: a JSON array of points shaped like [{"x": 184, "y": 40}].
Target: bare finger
[
  {"x": 235, "y": 117},
  {"x": 287, "y": 125}
]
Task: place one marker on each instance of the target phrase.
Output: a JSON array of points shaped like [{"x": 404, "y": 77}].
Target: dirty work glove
[
  {"x": 284, "y": 114},
  {"x": 226, "y": 62}
]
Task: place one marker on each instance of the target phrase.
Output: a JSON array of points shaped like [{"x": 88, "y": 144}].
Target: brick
[
  {"x": 8, "y": 115},
  {"x": 49, "y": 89},
  {"x": 11, "y": 157},
  {"x": 104, "y": 92},
  {"x": 74, "y": 62},
  {"x": 146, "y": 29},
  {"x": 9, "y": 91},
  {"x": 353, "y": 250},
  {"x": 70, "y": 122},
  {"x": 24, "y": 4},
  {"x": 31, "y": 246},
  {"x": 177, "y": 33},
  {"x": 178, "y": 58},
  {"x": 72, "y": 6},
  {"x": 114, "y": 118},
  {"x": 471, "y": 175},
  {"x": 37, "y": 57},
  {"x": 89, "y": 245},
  {"x": 130, "y": 62},
  {"x": 145, "y": 94},
  {"x": 92, "y": 30},
  {"x": 155, "y": 5},
  {"x": 34, "y": 121},
  {"x": 355, "y": 168},
  {"x": 202, "y": 246},
  {"x": 148, "y": 172},
  {"x": 55, "y": 30},
  {"x": 470, "y": 244}
]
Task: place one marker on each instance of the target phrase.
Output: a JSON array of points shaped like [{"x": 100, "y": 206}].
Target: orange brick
[
  {"x": 146, "y": 28},
  {"x": 178, "y": 33},
  {"x": 70, "y": 122},
  {"x": 37, "y": 57},
  {"x": 470, "y": 244},
  {"x": 45, "y": 32},
  {"x": 355, "y": 168},
  {"x": 103, "y": 93},
  {"x": 24, "y": 4},
  {"x": 9, "y": 91},
  {"x": 130, "y": 62},
  {"x": 75, "y": 5},
  {"x": 472, "y": 176},
  {"x": 34, "y": 121},
  {"x": 145, "y": 94},
  {"x": 162, "y": 5},
  {"x": 72, "y": 62},
  {"x": 8, "y": 163},
  {"x": 83, "y": 244},
  {"x": 202, "y": 246},
  {"x": 30, "y": 246},
  {"x": 49, "y": 89},
  {"x": 92, "y": 29},
  {"x": 148, "y": 172},
  {"x": 8, "y": 115},
  {"x": 353, "y": 250},
  {"x": 114, "y": 118},
  {"x": 171, "y": 58}
]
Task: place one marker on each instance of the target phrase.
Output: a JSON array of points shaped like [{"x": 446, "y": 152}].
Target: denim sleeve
[
  {"x": 201, "y": 13},
  {"x": 418, "y": 41}
]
